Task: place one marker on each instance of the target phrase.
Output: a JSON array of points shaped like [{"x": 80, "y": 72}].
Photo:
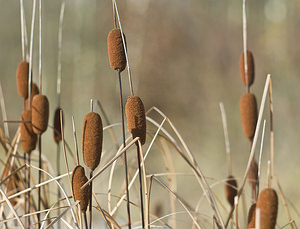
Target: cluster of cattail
[{"x": 248, "y": 110}]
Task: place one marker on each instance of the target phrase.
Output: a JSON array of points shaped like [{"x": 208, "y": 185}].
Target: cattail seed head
[
  {"x": 40, "y": 113},
  {"x": 267, "y": 202},
  {"x": 253, "y": 175},
  {"x": 116, "y": 53},
  {"x": 230, "y": 189},
  {"x": 92, "y": 138},
  {"x": 78, "y": 180},
  {"x": 34, "y": 91},
  {"x": 250, "y": 63},
  {"x": 251, "y": 216},
  {"x": 248, "y": 110},
  {"x": 56, "y": 125},
  {"x": 28, "y": 137},
  {"x": 22, "y": 79},
  {"x": 136, "y": 118}
]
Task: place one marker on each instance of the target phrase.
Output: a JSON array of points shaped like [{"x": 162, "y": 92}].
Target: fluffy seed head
[
  {"x": 22, "y": 79},
  {"x": 56, "y": 125},
  {"x": 136, "y": 119},
  {"x": 230, "y": 189},
  {"x": 28, "y": 137},
  {"x": 250, "y": 62},
  {"x": 40, "y": 113},
  {"x": 78, "y": 180},
  {"x": 251, "y": 216},
  {"x": 116, "y": 53},
  {"x": 92, "y": 137},
  {"x": 34, "y": 91},
  {"x": 248, "y": 110},
  {"x": 253, "y": 174},
  {"x": 268, "y": 203}
]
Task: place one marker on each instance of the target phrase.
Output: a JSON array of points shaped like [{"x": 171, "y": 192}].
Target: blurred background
[{"x": 184, "y": 59}]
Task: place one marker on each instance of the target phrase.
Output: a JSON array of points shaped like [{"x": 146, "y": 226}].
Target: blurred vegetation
[{"x": 184, "y": 58}]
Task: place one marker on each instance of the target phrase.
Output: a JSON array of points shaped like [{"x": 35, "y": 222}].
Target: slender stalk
[
  {"x": 245, "y": 43},
  {"x": 141, "y": 186},
  {"x": 40, "y": 46},
  {"x": 58, "y": 174},
  {"x": 22, "y": 29},
  {"x": 91, "y": 201},
  {"x": 271, "y": 133},
  {"x": 85, "y": 220},
  {"x": 25, "y": 196},
  {"x": 40, "y": 176},
  {"x": 28, "y": 185},
  {"x": 125, "y": 155}
]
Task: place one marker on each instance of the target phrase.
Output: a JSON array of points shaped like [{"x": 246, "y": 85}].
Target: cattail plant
[
  {"x": 116, "y": 47},
  {"x": 247, "y": 78},
  {"x": 28, "y": 137},
  {"x": 92, "y": 138},
  {"x": 267, "y": 202},
  {"x": 251, "y": 216},
  {"x": 116, "y": 53},
  {"x": 56, "y": 126},
  {"x": 230, "y": 189},
  {"x": 22, "y": 79},
  {"x": 136, "y": 122},
  {"x": 83, "y": 195},
  {"x": 248, "y": 109},
  {"x": 34, "y": 91},
  {"x": 253, "y": 177}
]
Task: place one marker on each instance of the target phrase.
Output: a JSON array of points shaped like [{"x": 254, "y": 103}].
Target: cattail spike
[
  {"x": 22, "y": 79},
  {"x": 230, "y": 189},
  {"x": 92, "y": 138},
  {"x": 28, "y": 137},
  {"x": 116, "y": 53},
  {"x": 267, "y": 202},
  {"x": 56, "y": 125},
  {"x": 251, "y": 216},
  {"x": 83, "y": 195},
  {"x": 250, "y": 64},
  {"x": 136, "y": 119},
  {"x": 40, "y": 113},
  {"x": 248, "y": 110}
]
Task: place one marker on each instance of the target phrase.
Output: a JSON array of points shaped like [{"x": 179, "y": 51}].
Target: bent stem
[{"x": 125, "y": 155}]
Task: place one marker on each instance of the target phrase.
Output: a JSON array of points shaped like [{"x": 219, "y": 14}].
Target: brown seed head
[
  {"x": 34, "y": 91},
  {"x": 251, "y": 216},
  {"x": 40, "y": 113},
  {"x": 56, "y": 125},
  {"x": 250, "y": 62},
  {"x": 92, "y": 138},
  {"x": 136, "y": 119},
  {"x": 268, "y": 203},
  {"x": 248, "y": 110},
  {"x": 230, "y": 189},
  {"x": 78, "y": 180},
  {"x": 253, "y": 175},
  {"x": 28, "y": 137},
  {"x": 116, "y": 53},
  {"x": 22, "y": 79}
]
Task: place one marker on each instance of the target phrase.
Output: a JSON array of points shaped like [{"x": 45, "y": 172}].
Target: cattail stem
[
  {"x": 91, "y": 201},
  {"x": 22, "y": 29},
  {"x": 236, "y": 202},
  {"x": 75, "y": 140},
  {"x": 58, "y": 174},
  {"x": 40, "y": 177},
  {"x": 125, "y": 154},
  {"x": 28, "y": 180},
  {"x": 61, "y": 19},
  {"x": 271, "y": 133},
  {"x": 227, "y": 143},
  {"x": 85, "y": 220},
  {"x": 25, "y": 196},
  {"x": 40, "y": 46},
  {"x": 141, "y": 186},
  {"x": 245, "y": 43}
]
